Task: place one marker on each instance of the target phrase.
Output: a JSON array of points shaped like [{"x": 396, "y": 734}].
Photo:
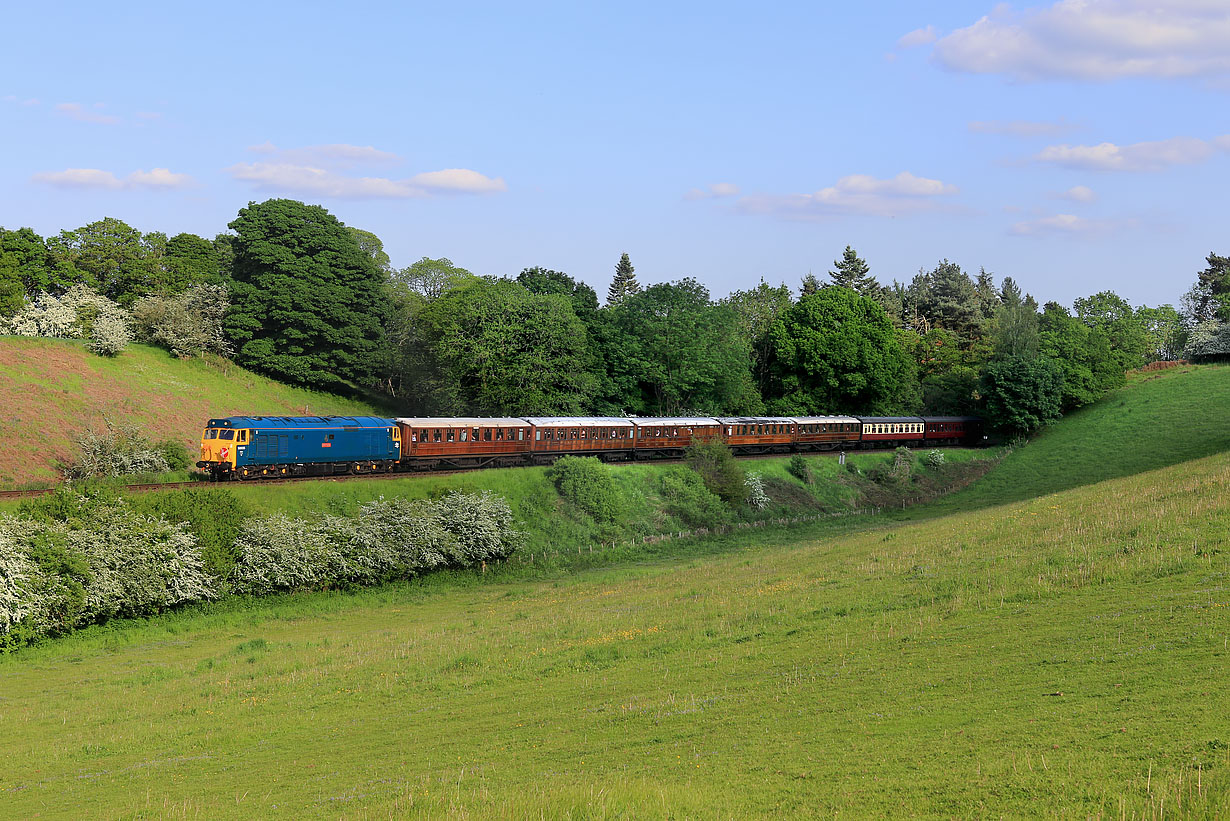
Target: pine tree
[
  {"x": 810, "y": 285},
  {"x": 624, "y": 284},
  {"x": 852, "y": 272}
]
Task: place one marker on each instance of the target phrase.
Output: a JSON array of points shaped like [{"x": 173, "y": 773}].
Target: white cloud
[
  {"x": 333, "y": 154},
  {"x": 158, "y": 178},
  {"x": 1066, "y": 225},
  {"x": 1078, "y": 193},
  {"x": 714, "y": 191},
  {"x": 323, "y": 182},
  {"x": 1020, "y": 128},
  {"x": 918, "y": 37},
  {"x": 1095, "y": 40},
  {"x": 1147, "y": 156},
  {"x": 78, "y": 112},
  {"x": 855, "y": 194}
]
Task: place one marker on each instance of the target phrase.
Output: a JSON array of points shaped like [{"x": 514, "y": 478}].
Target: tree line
[{"x": 294, "y": 293}]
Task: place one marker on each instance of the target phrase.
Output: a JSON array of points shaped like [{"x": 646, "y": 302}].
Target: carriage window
[
  {"x": 574, "y": 433},
  {"x": 520, "y": 434},
  {"x": 449, "y": 435},
  {"x": 537, "y": 436},
  {"x": 465, "y": 434},
  {"x": 582, "y": 433},
  {"x": 435, "y": 435},
  {"x": 486, "y": 434},
  {"x": 499, "y": 434}
]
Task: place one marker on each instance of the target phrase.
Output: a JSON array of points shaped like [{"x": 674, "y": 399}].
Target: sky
[{"x": 1076, "y": 146}]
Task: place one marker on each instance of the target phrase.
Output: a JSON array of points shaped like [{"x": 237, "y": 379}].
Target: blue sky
[{"x": 1074, "y": 146}]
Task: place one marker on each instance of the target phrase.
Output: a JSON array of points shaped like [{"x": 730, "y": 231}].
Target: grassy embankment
[
  {"x": 54, "y": 389},
  {"x": 1059, "y": 656}
]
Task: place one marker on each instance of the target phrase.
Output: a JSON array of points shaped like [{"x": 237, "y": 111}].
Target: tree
[
  {"x": 989, "y": 297},
  {"x": 757, "y": 310},
  {"x": 852, "y": 272},
  {"x": 544, "y": 281},
  {"x": 113, "y": 257},
  {"x": 1209, "y": 342},
  {"x": 510, "y": 352},
  {"x": 1082, "y": 353},
  {"x": 190, "y": 260},
  {"x": 1165, "y": 332},
  {"x": 371, "y": 245},
  {"x": 434, "y": 277},
  {"x": 811, "y": 284},
  {"x": 1125, "y": 331},
  {"x": 306, "y": 303},
  {"x": 672, "y": 350},
  {"x": 837, "y": 352},
  {"x": 624, "y": 284},
  {"x": 1022, "y": 395},
  {"x": 950, "y": 300},
  {"x": 1209, "y": 298},
  {"x": 1015, "y": 331}
]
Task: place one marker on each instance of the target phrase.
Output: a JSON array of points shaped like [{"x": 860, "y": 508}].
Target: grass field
[
  {"x": 55, "y": 389},
  {"x": 1063, "y": 656}
]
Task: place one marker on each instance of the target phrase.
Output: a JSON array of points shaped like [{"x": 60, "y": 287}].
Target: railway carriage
[
  {"x": 892, "y": 431},
  {"x": 251, "y": 447},
  {"x": 826, "y": 432},
  {"x": 953, "y": 430},
  {"x": 754, "y": 435},
  {"x": 659, "y": 437},
  {"x": 607, "y": 437},
  {"x": 463, "y": 441}
]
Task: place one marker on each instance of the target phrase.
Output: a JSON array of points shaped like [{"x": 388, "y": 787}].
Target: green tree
[
  {"x": 852, "y": 272},
  {"x": 1113, "y": 315},
  {"x": 757, "y": 310},
  {"x": 434, "y": 277},
  {"x": 510, "y": 352},
  {"x": 544, "y": 281},
  {"x": 114, "y": 258},
  {"x": 306, "y": 302},
  {"x": 948, "y": 299},
  {"x": 811, "y": 284},
  {"x": 624, "y": 283},
  {"x": 1022, "y": 395},
  {"x": 673, "y": 350},
  {"x": 1082, "y": 353},
  {"x": 371, "y": 245},
  {"x": 190, "y": 260},
  {"x": 1165, "y": 332},
  {"x": 1209, "y": 298},
  {"x": 836, "y": 351},
  {"x": 989, "y": 296}
]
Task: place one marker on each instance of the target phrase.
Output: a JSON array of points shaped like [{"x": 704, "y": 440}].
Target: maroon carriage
[
  {"x": 826, "y": 432},
  {"x": 954, "y": 430},
  {"x": 607, "y": 437},
  {"x": 668, "y": 436},
  {"x": 759, "y": 434}
]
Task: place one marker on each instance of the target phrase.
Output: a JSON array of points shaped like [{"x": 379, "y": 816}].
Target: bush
[
  {"x": 1209, "y": 342},
  {"x": 935, "y": 459},
  {"x": 586, "y": 482},
  {"x": 756, "y": 496},
  {"x": 716, "y": 465},
  {"x": 116, "y": 451},
  {"x": 178, "y": 457},
  {"x": 688, "y": 499},
  {"x": 896, "y": 471},
  {"x": 187, "y": 324},
  {"x": 388, "y": 540},
  {"x": 214, "y": 515},
  {"x": 81, "y": 313},
  {"x": 800, "y": 469}
]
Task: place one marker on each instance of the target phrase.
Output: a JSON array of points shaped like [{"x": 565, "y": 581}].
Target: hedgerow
[{"x": 587, "y": 483}]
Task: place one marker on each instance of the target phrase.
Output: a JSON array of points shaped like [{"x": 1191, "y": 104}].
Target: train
[{"x": 257, "y": 447}]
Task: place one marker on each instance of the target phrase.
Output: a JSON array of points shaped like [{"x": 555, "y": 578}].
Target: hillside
[
  {"x": 1159, "y": 418},
  {"x": 1057, "y": 657},
  {"x": 54, "y": 389}
]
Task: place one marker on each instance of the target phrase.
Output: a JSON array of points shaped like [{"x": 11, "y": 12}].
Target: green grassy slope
[
  {"x": 1059, "y": 657},
  {"x": 1158, "y": 419},
  {"x": 54, "y": 389}
]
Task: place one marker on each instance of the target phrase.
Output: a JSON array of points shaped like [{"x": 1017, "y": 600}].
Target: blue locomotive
[{"x": 249, "y": 447}]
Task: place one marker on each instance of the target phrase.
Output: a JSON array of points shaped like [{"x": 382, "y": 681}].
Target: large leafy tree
[
  {"x": 306, "y": 301},
  {"x": 1209, "y": 298},
  {"x": 113, "y": 257},
  {"x": 673, "y": 351},
  {"x": 508, "y": 352},
  {"x": 757, "y": 310},
  {"x": 432, "y": 278},
  {"x": 1165, "y": 331},
  {"x": 1082, "y": 353},
  {"x": 1022, "y": 395},
  {"x": 1112, "y": 314},
  {"x": 836, "y": 351},
  {"x": 190, "y": 260},
  {"x": 544, "y": 281}
]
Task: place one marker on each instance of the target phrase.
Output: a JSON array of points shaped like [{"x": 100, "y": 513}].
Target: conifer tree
[
  {"x": 810, "y": 285},
  {"x": 852, "y": 272},
  {"x": 624, "y": 284}
]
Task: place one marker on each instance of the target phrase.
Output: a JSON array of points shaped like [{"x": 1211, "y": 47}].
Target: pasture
[{"x": 1060, "y": 656}]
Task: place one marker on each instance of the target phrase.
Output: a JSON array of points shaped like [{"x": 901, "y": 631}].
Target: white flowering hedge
[
  {"x": 390, "y": 539},
  {"x": 59, "y": 575},
  {"x": 80, "y": 313}
]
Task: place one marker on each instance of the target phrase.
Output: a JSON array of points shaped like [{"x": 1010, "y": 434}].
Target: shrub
[
  {"x": 896, "y": 471},
  {"x": 115, "y": 451},
  {"x": 586, "y": 482},
  {"x": 81, "y": 313},
  {"x": 1209, "y": 342},
  {"x": 688, "y": 499},
  {"x": 178, "y": 457},
  {"x": 214, "y": 515},
  {"x": 716, "y": 465},
  {"x": 935, "y": 459},
  {"x": 187, "y": 324},
  {"x": 756, "y": 496},
  {"x": 800, "y": 469}
]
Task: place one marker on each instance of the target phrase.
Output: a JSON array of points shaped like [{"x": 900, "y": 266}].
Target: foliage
[
  {"x": 715, "y": 463},
  {"x": 624, "y": 283},
  {"x": 1083, "y": 353},
  {"x": 757, "y": 310},
  {"x": 1165, "y": 332},
  {"x": 935, "y": 459},
  {"x": 587, "y": 483},
  {"x": 388, "y": 540},
  {"x": 852, "y": 272},
  {"x": 117, "y": 450},
  {"x": 214, "y": 515},
  {"x": 189, "y": 323},
  {"x": 674, "y": 350},
  {"x": 80, "y": 313},
  {"x": 113, "y": 257},
  {"x": 1209, "y": 342},
  {"x": 1124, "y": 328},
  {"x": 800, "y": 469},
  {"x": 1022, "y": 395},
  {"x": 510, "y": 352},
  {"x": 756, "y": 496},
  {"x": 1209, "y": 298},
  {"x": 836, "y": 351},
  {"x": 689, "y": 499},
  {"x": 896, "y": 471},
  {"x": 305, "y": 303},
  {"x": 104, "y": 562},
  {"x": 433, "y": 278}
]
